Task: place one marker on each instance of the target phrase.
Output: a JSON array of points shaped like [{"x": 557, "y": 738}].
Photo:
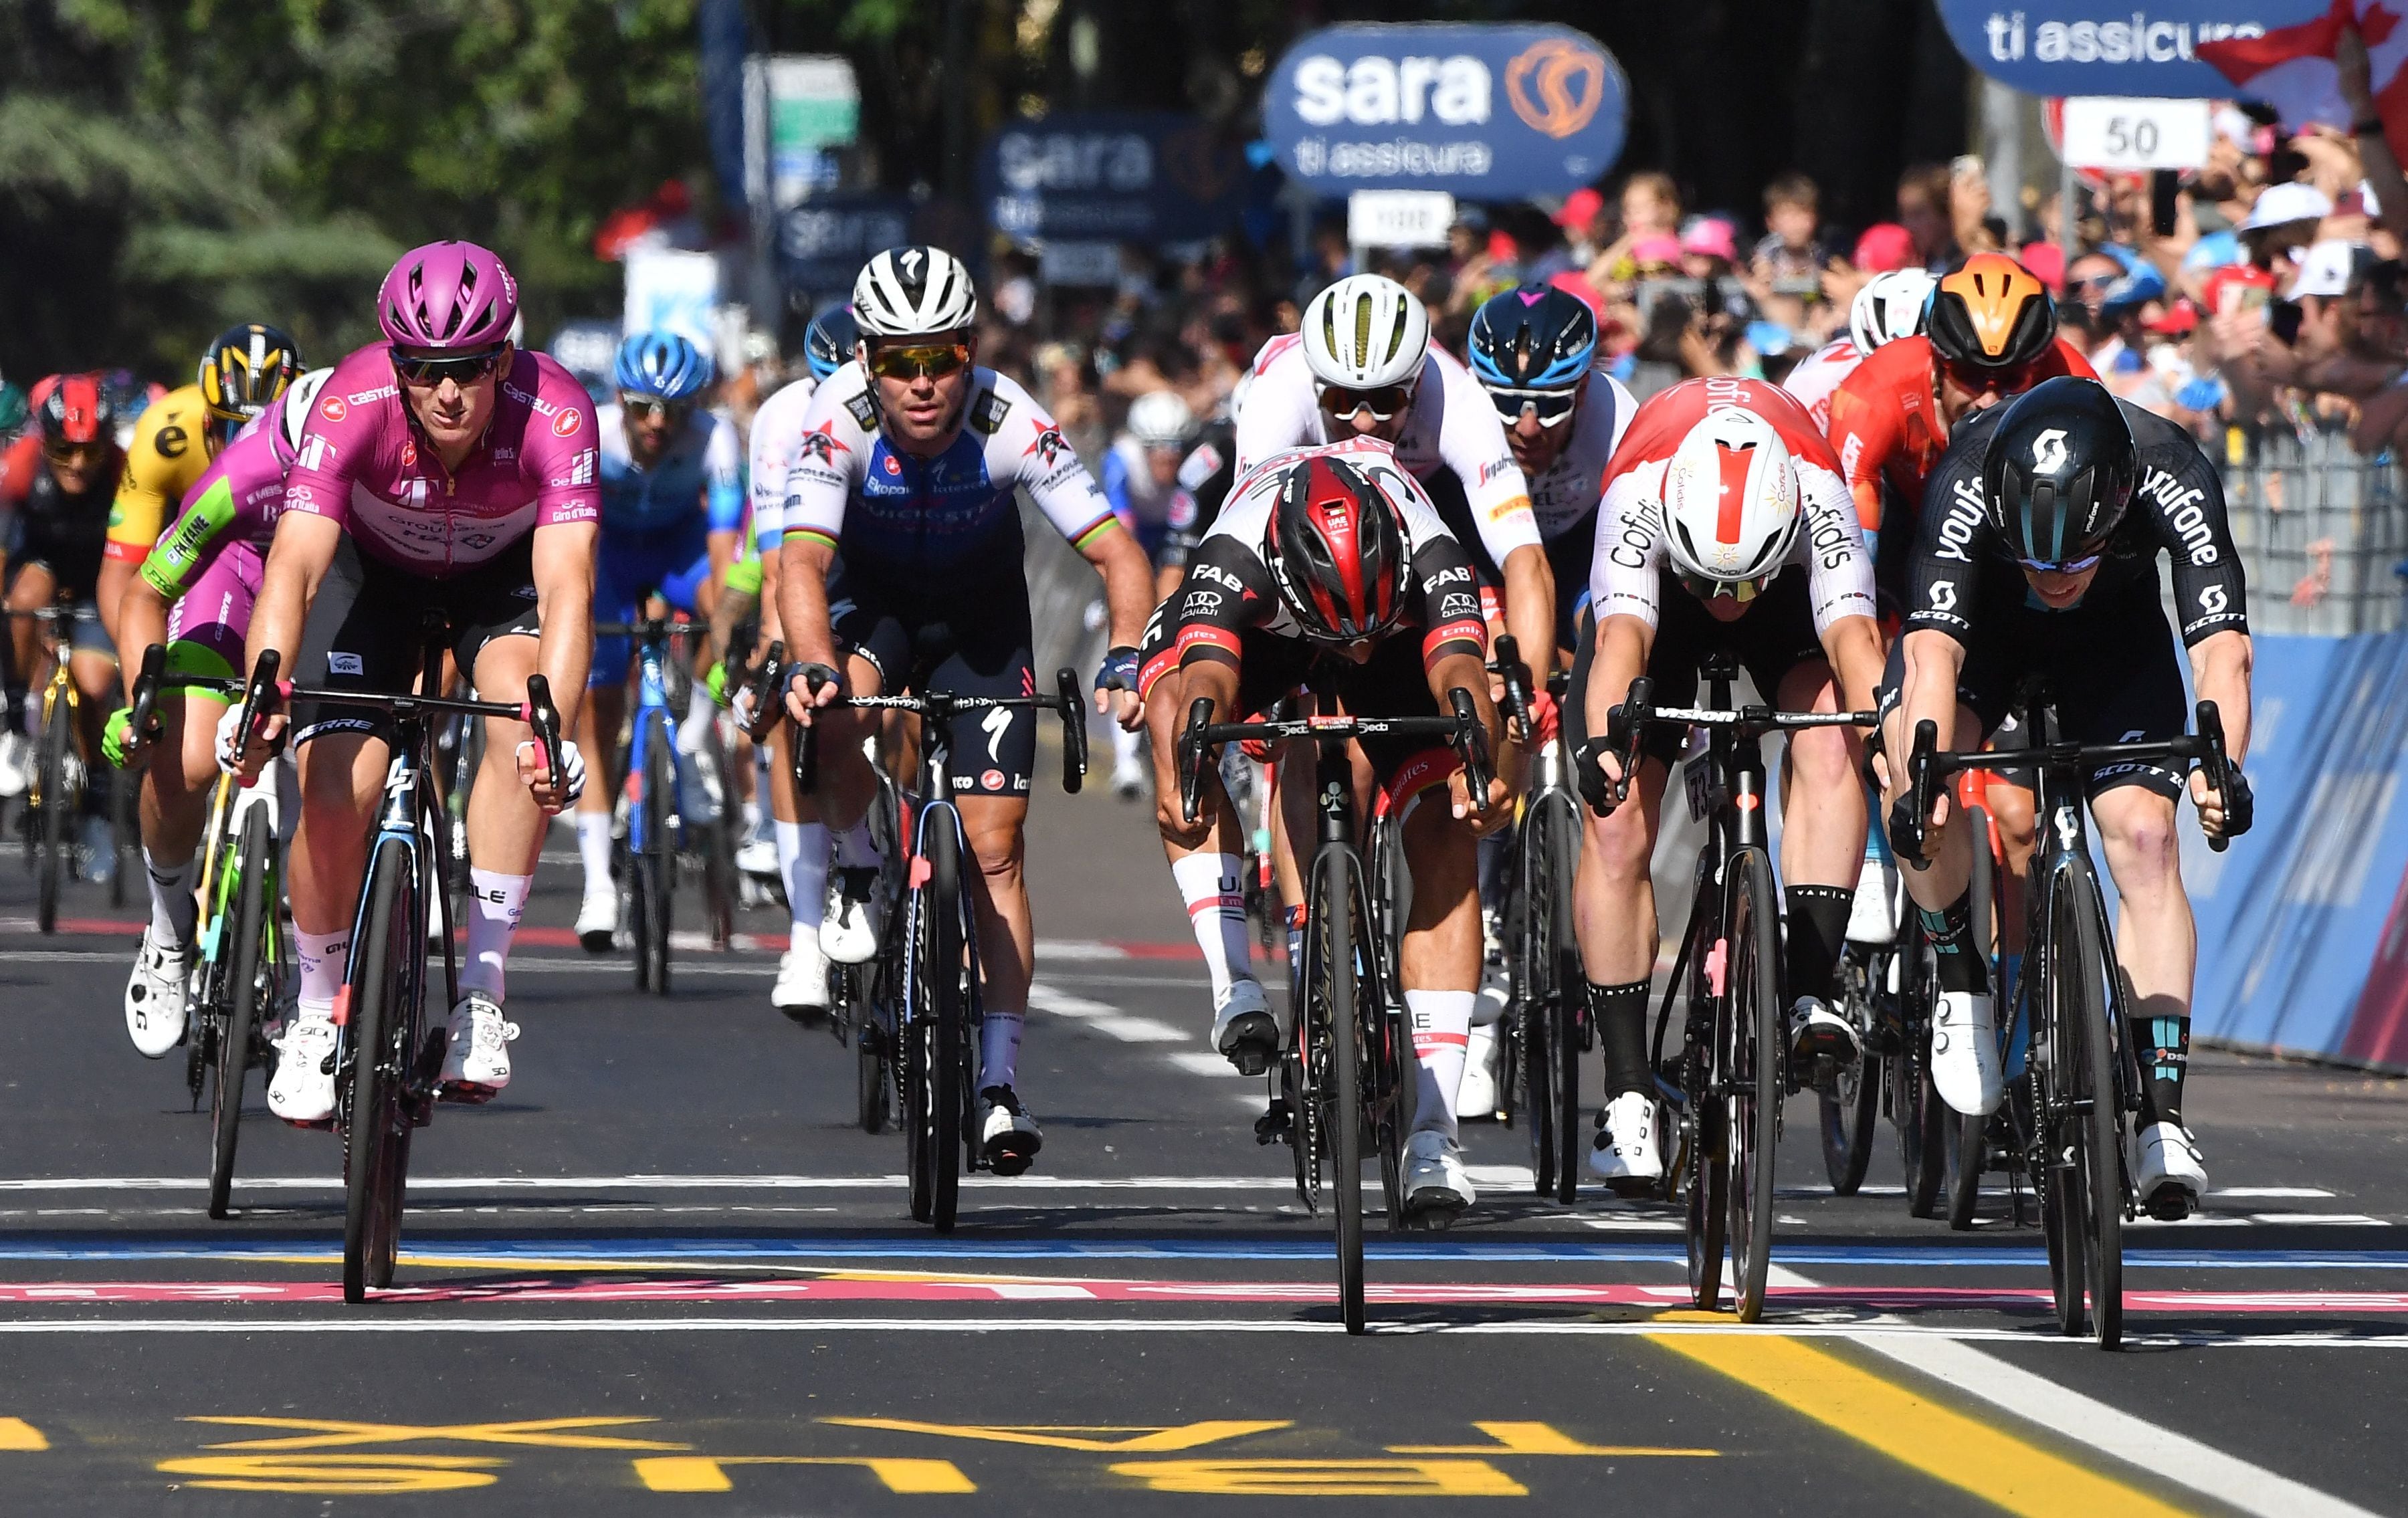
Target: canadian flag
[{"x": 2291, "y": 67}]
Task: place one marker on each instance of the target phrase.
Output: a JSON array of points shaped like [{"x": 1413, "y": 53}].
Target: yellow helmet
[{"x": 244, "y": 369}]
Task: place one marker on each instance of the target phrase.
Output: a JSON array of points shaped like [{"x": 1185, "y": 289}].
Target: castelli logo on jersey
[
  {"x": 1555, "y": 85},
  {"x": 408, "y": 453},
  {"x": 567, "y": 421},
  {"x": 334, "y": 409},
  {"x": 892, "y": 467},
  {"x": 992, "y": 779}
]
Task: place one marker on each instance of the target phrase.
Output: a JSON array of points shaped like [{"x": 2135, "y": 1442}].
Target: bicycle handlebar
[
  {"x": 1464, "y": 732},
  {"x": 1068, "y": 702},
  {"x": 143, "y": 722},
  {"x": 1508, "y": 665},
  {"x": 544, "y": 717}
]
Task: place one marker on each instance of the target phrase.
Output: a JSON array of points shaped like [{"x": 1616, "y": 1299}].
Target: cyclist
[
  {"x": 14, "y": 413},
  {"x": 1728, "y": 528},
  {"x": 1890, "y": 306},
  {"x": 672, "y": 513},
  {"x": 2038, "y": 555},
  {"x": 908, "y": 462},
  {"x": 800, "y": 989},
  {"x": 1140, "y": 479},
  {"x": 443, "y": 470},
  {"x": 1205, "y": 475},
  {"x": 56, "y": 484},
  {"x": 193, "y": 593},
  {"x": 1334, "y": 557}
]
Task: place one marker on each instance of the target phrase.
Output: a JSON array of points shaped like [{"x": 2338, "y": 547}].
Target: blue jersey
[{"x": 700, "y": 477}]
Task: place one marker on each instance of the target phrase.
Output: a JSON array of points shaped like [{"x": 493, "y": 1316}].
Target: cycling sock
[
  {"x": 496, "y": 901},
  {"x": 324, "y": 958},
  {"x": 2165, "y": 1056},
  {"x": 1619, "y": 1014},
  {"x": 803, "y": 861},
  {"x": 1125, "y": 746},
  {"x": 854, "y": 848},
  {"x": 1818, "y": 931},
  {"x": 1950, "y": 933},
  {"x": 1000, "y": 1047},
  {"x": 174, "y": 914},
  {"x": 701, "y": 713},
  {"x": 1442, "y": 1023},
  {"x": 594, "y": 847},
  {"x": 1216, "y": 909}
]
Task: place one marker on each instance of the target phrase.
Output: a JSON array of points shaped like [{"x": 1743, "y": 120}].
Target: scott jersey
[
  {"x": 950, "y": 518},
  {"x": 1625, "y": 577},
  {"x": 1450, "y": 425},
  {"x": 1229, "y": 590},
  {"x": 365, "y": 465},
  {"x": 1960, "y": 564},
  {"x": 1565, "y": 495},
  {"x": 700, "y": 472},
  {"x": 777, "y": 430},
  {"x": 171, "y": 449},
  {"x": 1819, "y": 374},
  {"x": 235, "y": 503}
]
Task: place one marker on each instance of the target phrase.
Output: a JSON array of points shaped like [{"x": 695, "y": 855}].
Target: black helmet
[
  {"x": 2059, "y": 471},
  {"x": 244, "y": 369},
  {"x": 1338, "y": 550},
  {"x": 828, "y": 343},
  {"x": 1532, "y": 337}
]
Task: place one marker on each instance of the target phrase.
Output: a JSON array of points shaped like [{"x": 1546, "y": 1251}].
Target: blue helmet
[
  {"x": 1533, "y": 336},
  {"x": 661, "y": 363},
  {"x": 828, "y": 343}
]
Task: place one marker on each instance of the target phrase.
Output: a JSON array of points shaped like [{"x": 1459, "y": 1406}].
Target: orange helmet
[{"x": 1991, "y": 313}]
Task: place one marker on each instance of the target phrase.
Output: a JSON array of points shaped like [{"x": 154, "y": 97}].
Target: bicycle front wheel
[
  {"x": 375, "y": 1126},
  {"x": 937, "y": 1036},
  {"x": 1850, "y": 1108},
  {"x": 1758, "y": 1078},
  {"x": 1333, "y": 918},
  {"x": 246, "y": 987},
  {"x": 657, "y": 862},
  {"x": 2087, "y": 1126},
  {"x": 59, "y": 803},
  {"x": 1966, "y": 1138},
  {"x": 1561, "y": 981}
]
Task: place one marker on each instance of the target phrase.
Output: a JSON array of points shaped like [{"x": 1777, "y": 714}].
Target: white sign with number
[
  {"x": 2116, "y": 132},
  {"x": 1398, "y": 217}
]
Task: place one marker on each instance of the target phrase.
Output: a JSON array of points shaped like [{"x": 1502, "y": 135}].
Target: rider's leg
[
  {"x": 1207, "y": 871},
  {"x": 1441, "y": 957},
  {"x": 996, "y": 826},
  {"x": 1942, "y": 889},
  {"x": 1822, "y": 834},
  {"x": 174, "y": 808},
  {"x": 2156, "y": 938},
  {"x": 32, "y": 588},
  {"x": 1614, "y": 904},
  {"x": 604, "y": 708},
  {"x": 505, "y": 826},
  {"x": 342, "y": 773}
]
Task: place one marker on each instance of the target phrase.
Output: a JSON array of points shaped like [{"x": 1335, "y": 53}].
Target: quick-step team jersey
[
  {"x": 171, "y": 449},
  {"x": 700, "y": 472},
  {"x": 777, "y": 430}
]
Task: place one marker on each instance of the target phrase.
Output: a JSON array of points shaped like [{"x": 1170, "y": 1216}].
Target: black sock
[
  {"x": 2165, "y": 1054},
  {"x": 1620, "y": 1014},
  {"x": 1950, "y": 933},
  {"x": 1818, "y": 932}
]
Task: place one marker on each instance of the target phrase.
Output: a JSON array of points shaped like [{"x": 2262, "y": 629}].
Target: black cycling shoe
[
  {"x": 1250, "y": 1042},
  {"x": 1005, "y": 1131}
]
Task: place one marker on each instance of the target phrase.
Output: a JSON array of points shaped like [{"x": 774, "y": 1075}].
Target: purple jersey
[{"x": 234, "y": 504}]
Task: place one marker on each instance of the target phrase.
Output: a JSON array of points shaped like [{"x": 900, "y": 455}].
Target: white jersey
[
  {"x": 1627, "y": 574},
  {"x": 1566, "y": 496},
  {"x": 777, "y": 430},
  {"x": 1452, "y": 424},
  {"x": 1820, "y": 373}
]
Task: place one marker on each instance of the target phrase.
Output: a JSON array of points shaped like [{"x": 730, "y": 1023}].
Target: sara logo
[
  {"x": 567, "y": 421},
  {"x": 2048, "y": 450},
  {"x": 1555, "y": 85}
]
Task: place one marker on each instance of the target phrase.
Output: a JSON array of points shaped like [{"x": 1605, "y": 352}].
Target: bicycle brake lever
[
  {"x": 545, "y": 719},
  {"x": 765, "y": 683},
  {"x": 2218, "y": 768},
  {"x": 1191, "y": 757},
  {"x": 1074, "y": 730},
  {"x": 1907, "y": 832},
  {"x": 1472, "y": 742},
  {"x": 262, "y": 682},
  {"x": 1516, "y": 675},
  {"x": 143, "y": 721}
]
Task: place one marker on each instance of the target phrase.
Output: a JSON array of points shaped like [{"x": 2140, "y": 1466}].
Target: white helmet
[
  {"x": 1363, "y": 332},
  {"x": 914, "y": 292},
  {"x": 1236, "y": 400},
  {"x": 293, "y": 412},
  {"x": 1731, "y": 502},
  {"x": 1159, "y": 418},
  {"x": 1889, "y": 306}
]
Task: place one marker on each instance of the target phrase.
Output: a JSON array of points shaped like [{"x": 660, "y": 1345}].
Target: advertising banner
[
  {"x": 823, "y": 242},
  {"x": 1143, "y": 177},
  {"x": 2099, "y": 47}
]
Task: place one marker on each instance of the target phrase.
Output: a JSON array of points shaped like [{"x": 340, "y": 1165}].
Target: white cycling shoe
[
  {"x": 598, "y": 916},
  {"x": 15, "y": 763},
  {"x": 158, "y": 999},
  {"x": 303, "y": 1088},
  {"x": 1815, "y": 1030},
  {"x": 2171, "y": 1176},
  {"x": 1005, "y": 1131},
  {"x": 476, "y": 1052},
  {"x": 1243, "y": 1029},
  {"x": 1965, "y": 1065},
  {"x": 849, "y": 933},
  {"x": 758, "y": 858},
  {"x": 1873, "y": 913},
  {"x": 1626, "y": 1150},
  {"x": 1437, "y": 1187},
  {"x": 802, "y": 989}
]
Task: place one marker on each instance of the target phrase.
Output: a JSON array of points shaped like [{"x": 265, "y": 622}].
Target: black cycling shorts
[
  {"x": 366, "y": 630},
  {"x": 973, "y": 642},
  {"x": 1771, "y": 638},
  {"x": 72, "y": 552},
  {"x": 2110, "y": 668}
]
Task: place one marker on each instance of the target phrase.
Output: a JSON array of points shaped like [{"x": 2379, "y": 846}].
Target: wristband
[{"x": 2372, "y": 127}]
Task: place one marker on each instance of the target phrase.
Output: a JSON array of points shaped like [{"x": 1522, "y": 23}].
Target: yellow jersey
[{"x": 173, "y": 444}]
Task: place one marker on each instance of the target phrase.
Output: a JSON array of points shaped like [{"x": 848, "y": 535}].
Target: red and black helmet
[
  {"x": 73, "y": 408},
  {"x": 1338, "y": 552}
]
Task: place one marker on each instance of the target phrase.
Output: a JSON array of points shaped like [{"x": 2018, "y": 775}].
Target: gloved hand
[
  {"x": 1544, "y": 717},
  {"x": 1595, "y": 788},
  {"x": 1906, "y": 832},
  {"x": 117, "y": 736},
  {"x": 1119, "y": 672},
  {"x": 715, "y": 681},
  {"x": 229, "y": 735},
  {"x": 572, "y": 766}
]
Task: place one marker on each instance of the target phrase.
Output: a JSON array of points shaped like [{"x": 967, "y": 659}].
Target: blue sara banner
[
  {"x": 2099, "y": 47},
  {"x": 1145, "y": 177},
  {"x": 823, "y": 242},
  {"x": 1482, "y": 112}
]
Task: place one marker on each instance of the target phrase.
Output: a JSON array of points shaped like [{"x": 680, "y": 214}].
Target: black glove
[
  {"x": 1595, "y": 788},
  {"x": 1906, "y": 831},
  {"x": 2239, "y": 806}
]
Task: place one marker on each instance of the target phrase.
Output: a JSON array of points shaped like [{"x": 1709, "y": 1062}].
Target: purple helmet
[{"x": 448, "y": 295}]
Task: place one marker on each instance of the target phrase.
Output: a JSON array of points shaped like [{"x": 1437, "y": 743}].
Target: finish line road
[{"x": 665, "y": 1274}]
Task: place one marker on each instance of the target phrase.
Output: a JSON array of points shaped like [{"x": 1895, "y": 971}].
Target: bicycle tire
[
  {"x": 1916, "y": 1102},
  {"x": 1705, "y": 1176},
  {"x": 2094, "y": 1116},
  {"x": 656, "y": 866},
  {"x": 1850, "y": 1108},
  {"x": 375, "y": 1125},
  {"x": 1567, "y": 987},
  {"x": 869, "y": 1064},
  {"x": 124, "y": 835},
  {"x": 59, "y": 802},
  {"x": 254, "y": 923},
  {"x": 1965, "y": 1139},
  {"x": 1333, "y": 914},
  {"x": 1385, "y": 1042},
  {"x": 947, "y": 1036},
  {"x": 719, "y": 882},
  {"x": 1758, "y": 1063}
]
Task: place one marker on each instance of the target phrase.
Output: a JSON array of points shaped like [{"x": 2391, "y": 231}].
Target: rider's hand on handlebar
[
  {"x": 2227, "y": 816},
  {"x": 554, "y": 795},
  {"x": 1116, "y": 689},
  {"x": 810, "y": 687},
  {"x": 264, "y": 742},
  {"x": 118, "y": 741},
  {"x": 1497, "y": 814}
]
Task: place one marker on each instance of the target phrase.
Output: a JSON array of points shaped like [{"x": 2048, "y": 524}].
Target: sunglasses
[
  {"x": 1384, "y": 402},
  {"x": 1980, "y": 382},
  {"x": 2069, "y": 566},
  {"x": 1553, "y": 407},
  {"x": 460, "y": 368},
  {"x": 1741, "y": 591},
  {"x": 933, "y": 360},
  {"x": 71, "y": 454},
  {"x": 646, "y": 407}
]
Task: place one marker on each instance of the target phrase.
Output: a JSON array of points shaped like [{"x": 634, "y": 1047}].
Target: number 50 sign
[{"x": 2114, "y": 132}]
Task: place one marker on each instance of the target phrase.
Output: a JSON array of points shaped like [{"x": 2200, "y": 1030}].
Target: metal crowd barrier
[{"x": 2323, "y": 531}]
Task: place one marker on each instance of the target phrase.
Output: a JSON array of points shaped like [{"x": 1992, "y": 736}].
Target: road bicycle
[
  {"x": 62, "y": 774},
  {"x": 2082, "y": 1079},
  {"x": 1734, "y": 1072},
  {"x": 388, "y": 1060},
  {"x": 1343, "y": 1081}
]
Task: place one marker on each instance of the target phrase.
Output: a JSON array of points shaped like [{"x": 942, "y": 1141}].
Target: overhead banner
[
  {"x": 2072, "y": 47},
  {"x": 1482, "y": 112},
  {"x": 1144, "y": 177},
  {"x": 823, "y": 242}
]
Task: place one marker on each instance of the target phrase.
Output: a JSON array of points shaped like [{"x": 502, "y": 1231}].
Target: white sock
[
  {"x": 1000, "y": 1047},
  {"x": 1216, "y": 909},
  {"x": 495, "y": 903},
  {"x": 1442, "y": 1023},
  {"x": 803, "y": 860},
  {"x": 174, "y": 914},
  {"x": 1124, "y": 746},
  {"x": 593, "y": 848},
  {"x": 701, "y": 713},
  {"x": 853, "y": 849},
  {"x": 325, "y": 959}
]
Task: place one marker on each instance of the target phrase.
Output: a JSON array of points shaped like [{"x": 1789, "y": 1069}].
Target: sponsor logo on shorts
[{"x": 344, "y": 663}]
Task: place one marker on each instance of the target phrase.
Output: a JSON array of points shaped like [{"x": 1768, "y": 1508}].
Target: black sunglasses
[{"x": 460, "y": 368}]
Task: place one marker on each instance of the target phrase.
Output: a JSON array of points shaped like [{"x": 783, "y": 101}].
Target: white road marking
[
  {"x": 2268, "y": 1193},
  {"x": 660, "y": 1182},
  {"x": 2348, "y": 1219},
  {"x": 1203, "y": 1062},
  {"x": 1102, "y": 1016}
]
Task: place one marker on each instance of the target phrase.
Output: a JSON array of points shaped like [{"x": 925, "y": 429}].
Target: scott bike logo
[
  {"x": 1555, "y": 85},
  {"x": 1943, "y": 595},
  {"x": 2048, "y": 450},
  {"x": 2212, "y": 601}
]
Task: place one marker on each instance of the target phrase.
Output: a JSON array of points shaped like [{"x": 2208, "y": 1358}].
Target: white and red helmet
[{"x": 1730, "y": 503}]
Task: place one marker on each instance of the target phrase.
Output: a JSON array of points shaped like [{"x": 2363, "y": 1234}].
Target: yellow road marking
[
  {"x": 336, "y": 1475},
  {"x": 16, "y": 1434},
  {"x": 1963, "y": 1452},
  {"x": 1323, "y": 1478},
  {"x": 705, "y": 1473},
  {"x": 1150, "y": 1437},
  {"x": 1535, "y": 1438},
  {"x": 546, "y": 1432}
]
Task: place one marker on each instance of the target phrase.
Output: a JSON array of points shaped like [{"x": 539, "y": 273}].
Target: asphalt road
[{"x": 664, "y": 1274}]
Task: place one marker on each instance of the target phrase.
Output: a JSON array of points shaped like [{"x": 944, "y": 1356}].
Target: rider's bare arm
[
  {"x": 562, "y": 553},
  {"x": 1853, "y": 644},
  {"x": 803, "y": 564},
  {"x": 1623, "y": 643}
]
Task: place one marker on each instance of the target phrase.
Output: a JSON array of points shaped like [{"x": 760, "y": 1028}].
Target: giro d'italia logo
[{"x": 1555, "y": 85}]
